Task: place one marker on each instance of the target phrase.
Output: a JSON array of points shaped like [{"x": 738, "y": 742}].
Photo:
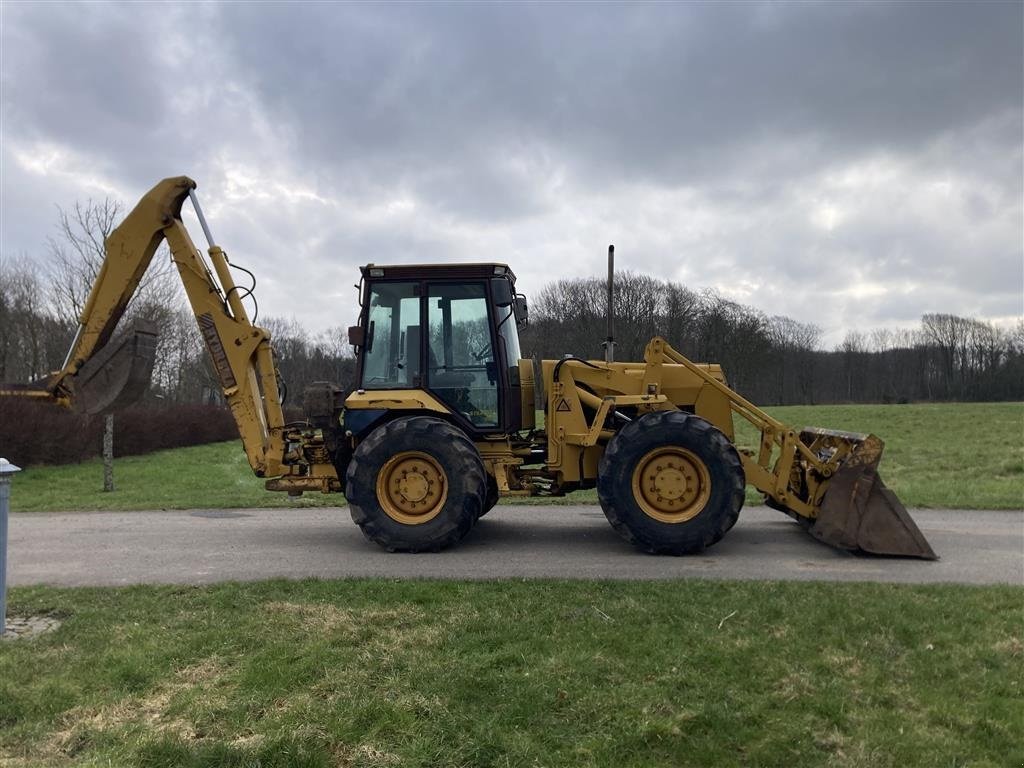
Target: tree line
[
  {"x": 769, "y": 359},
  {"x": 776, "y": 360}
]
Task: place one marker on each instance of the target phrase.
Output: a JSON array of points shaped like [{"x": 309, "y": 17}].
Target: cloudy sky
[{"x": 849, "y": 164}]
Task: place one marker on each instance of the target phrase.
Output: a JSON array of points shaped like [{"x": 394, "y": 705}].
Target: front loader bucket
[
  {"x": 119, "y": 373},
  {"x": 859, "y": 513}
]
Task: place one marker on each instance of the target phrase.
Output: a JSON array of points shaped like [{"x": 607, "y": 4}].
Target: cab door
[{"x": 461, "y": 364}]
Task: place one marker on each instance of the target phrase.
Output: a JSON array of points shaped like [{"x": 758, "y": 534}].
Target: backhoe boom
[{"x": 96, "y": 373}]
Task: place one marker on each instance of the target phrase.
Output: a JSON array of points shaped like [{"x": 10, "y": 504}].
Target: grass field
[
  {"x": 204, "y": 476},
  {"x": 376, "y": 673},
  {"x": 389, "y": 673},
  {"x": 968, "y": 456},
  {"x": 938, "y": 455}
]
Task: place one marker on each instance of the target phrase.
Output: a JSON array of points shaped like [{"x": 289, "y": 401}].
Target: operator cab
[{"x": 452, "y": 330}]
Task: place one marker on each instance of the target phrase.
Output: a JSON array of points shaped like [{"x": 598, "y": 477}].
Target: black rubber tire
[
  {"x": 671, "y": 428},
  {"x": 451, "y": 449},
  {"x": 491, "y": 497}
]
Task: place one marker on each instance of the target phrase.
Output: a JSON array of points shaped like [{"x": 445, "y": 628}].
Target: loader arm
[
  {"x": 826, "y": 479},
  {"x": 241, "y": 352}
]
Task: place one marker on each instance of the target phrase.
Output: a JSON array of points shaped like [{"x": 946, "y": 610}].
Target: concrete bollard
[{"x": 6, "y": 471}]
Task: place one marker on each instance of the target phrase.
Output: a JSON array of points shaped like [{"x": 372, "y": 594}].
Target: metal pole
[
  {"x": 74, "y": 345},
  {"x": 202, "y": 219},
  {"x": 6, "y": 470}
]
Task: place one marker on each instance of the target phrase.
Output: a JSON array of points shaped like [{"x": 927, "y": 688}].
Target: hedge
[{"x": 33, "y": 433}]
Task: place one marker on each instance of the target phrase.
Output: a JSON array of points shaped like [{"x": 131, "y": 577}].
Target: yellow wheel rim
[
  {"x": 671, "y": 484},
  {"x": 412, "y": 487}
]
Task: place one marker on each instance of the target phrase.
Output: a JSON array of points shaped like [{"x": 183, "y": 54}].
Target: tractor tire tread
[
  {"x": 632, "y": 524},
  {"x": 446, "y": 443}
]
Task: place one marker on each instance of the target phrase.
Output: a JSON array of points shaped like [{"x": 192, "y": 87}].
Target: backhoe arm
[
  {"x": 241, "y": 352},
  {"x": 129, "y": 251}
]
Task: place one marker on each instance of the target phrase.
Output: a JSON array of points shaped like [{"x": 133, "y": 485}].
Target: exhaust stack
[{"x": 609, "y": 342}]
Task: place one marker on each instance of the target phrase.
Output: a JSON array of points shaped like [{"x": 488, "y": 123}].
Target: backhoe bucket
[
  {"x": 118, "y": 374},
  {"x": 859, "y": 513}
]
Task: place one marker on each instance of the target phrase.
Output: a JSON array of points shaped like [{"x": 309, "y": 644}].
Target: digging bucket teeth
[
  {"x": 118, "y": 374},
  {"x": 858, "y": 512}
]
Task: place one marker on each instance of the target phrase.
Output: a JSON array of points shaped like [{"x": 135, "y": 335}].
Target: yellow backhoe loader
[{"x": 445, "y": 416}]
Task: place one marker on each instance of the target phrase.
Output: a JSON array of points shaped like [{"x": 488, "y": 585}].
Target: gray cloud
[
  {"x": 858, "y": 162},
  {"x": 673, "y": 93}
]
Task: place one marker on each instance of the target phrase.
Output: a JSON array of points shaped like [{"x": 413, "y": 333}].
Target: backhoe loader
[{"x": 448, "y": 416}]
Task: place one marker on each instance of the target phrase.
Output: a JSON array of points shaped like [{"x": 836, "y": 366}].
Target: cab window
[{"x": 392, "y": 354}]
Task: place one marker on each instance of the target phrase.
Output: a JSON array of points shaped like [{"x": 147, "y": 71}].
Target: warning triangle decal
[{"x": 563, "y": 406}]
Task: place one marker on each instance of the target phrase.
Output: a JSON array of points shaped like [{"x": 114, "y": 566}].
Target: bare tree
[
  {"x": 681, "y": 310},
  {"x": 854, "y": 349},
  {"x": 736, "y": 337},
  {"x": 31, "y": 341},
  {"x": 639, "y": 311},
  {"x": 794, "y": 343},
  {"x": 76, "y": 254}
]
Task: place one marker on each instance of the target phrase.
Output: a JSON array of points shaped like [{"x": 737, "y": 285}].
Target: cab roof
[{"x": 435, "y": 271}]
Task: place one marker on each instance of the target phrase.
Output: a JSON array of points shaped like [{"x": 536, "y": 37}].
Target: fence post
[
  {"x": 108, "y": 452},
  {"x": 6, "y": 470}
]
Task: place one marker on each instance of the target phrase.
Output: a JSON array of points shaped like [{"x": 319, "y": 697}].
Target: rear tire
[
  {"x": 415, "y": 484},
  {"x": 671, "y": 483}
]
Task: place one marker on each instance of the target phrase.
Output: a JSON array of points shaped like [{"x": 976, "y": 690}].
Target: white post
[{"x": 6, "y": 470}]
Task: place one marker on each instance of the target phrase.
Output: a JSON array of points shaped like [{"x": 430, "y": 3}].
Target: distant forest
[
  {"x": 770, "y": 360},
  {"x": 778, "y": 360}
]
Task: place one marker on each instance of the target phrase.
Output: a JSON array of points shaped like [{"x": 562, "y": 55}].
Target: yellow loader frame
[{"x": 827, "y": 479}]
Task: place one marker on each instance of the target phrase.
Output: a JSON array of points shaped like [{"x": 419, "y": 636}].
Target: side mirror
[
  {"x": 502, "y": 292},
  {"x": 356, "y": 335},
  {"x": 522, "y": 313}
]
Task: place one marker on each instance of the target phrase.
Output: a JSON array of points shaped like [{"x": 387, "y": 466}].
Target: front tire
[
  {"x": 491, "y": 497},
  {"x": 415, "y": 484},
  {"x": 671, "y": 483}
]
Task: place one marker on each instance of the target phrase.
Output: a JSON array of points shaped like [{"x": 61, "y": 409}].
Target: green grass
[
  {"x": 939, "y": 455},
  {"x": 949, "y": 455},
  {"x": 376, "y": 673},
  {"x": 211, "y": 476}
]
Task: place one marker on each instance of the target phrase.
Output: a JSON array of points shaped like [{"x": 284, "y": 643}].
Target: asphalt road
[{"x": 197, "y": 547}]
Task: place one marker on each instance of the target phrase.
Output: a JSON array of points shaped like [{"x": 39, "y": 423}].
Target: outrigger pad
[
  {"x": 859, "y": 513},
  {"x": 118, "y": 374}
]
